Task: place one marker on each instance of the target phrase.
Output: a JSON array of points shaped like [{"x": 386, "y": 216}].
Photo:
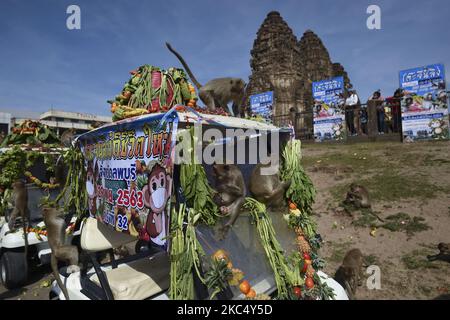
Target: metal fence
[{"x": 388, "y": 120}]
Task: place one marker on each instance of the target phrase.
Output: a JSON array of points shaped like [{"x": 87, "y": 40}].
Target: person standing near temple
[
  {"x": 350, "y": 105},
  {"x": 380, "y": 111}
]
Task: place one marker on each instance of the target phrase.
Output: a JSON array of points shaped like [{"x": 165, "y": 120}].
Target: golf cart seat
[{"x": 134, "y": 278}]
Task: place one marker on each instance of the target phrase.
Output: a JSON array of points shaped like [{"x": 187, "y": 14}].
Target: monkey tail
[
  {"x": 54, "y": 265},
  {"x": 186, "y": 67},
  {"x": 25, "y": 237}
]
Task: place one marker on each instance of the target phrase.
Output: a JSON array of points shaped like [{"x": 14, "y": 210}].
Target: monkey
[
  {"x": 20, "y": 194},
  {"x": 56, "y": 234},
  {"x": 67, "y": 137},
  {"x": 350, "y": 273},
  {"x": 268, "y": 189},
  {"x": 230, "y": 187},
  {"x": 217, "y": 92},
  {"x": 92, "y": 174},
  {"x": 358, "y": 196},
  {"x": 444, "y": 253},
  {"x": 156, "y": 194}
]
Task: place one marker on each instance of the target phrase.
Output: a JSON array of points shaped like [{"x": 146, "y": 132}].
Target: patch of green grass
[
  {"x": 365, "y": 219},
  {"x": 339, "y": 251},
  {"x": 371, "y": 260},
  {"x": 391, "y": 186},
  {"x": 430, "y": 160},
  {"x": 417, "y": 259},
  {"x": 359, "y": 162},
  {"x": 402, "y": 222}
]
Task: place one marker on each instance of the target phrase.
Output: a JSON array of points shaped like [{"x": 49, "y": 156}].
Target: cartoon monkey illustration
[
  {"x": 157, "y": 192},
  {"x": 91, "y": 187}
]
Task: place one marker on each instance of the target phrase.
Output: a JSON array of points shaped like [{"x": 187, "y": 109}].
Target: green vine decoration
[
  {"x": 284, "y": 275},
  {"x": 185, "y": 253},
  {"x": 75, "y": 182},
  {"x": 196, "y": 189}
]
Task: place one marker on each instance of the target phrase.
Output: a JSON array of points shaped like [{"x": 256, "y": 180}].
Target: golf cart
[
  {"x": 146, "y": 272},
  {"x": 14, "y": 266}
]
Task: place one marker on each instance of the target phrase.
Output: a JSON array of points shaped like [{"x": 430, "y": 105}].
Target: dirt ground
[
  {"x": 408, "y": 179},
  {"x": 412, "y": 180}
]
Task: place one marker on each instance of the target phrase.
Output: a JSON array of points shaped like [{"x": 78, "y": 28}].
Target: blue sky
[{"x": 43, "y": 64}]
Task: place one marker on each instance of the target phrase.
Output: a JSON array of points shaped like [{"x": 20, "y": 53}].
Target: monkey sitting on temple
[
  {"x": 350, "y": 273},
  {"x": 444, "y": 253},
  {"x": 56, "y": 234}
]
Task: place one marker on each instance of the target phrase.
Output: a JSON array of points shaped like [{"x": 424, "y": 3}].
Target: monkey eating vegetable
[
  {"x": 358, "y": 196},
  {"x": 56, "y": 234},
  {"x": 217, "y": 92}
]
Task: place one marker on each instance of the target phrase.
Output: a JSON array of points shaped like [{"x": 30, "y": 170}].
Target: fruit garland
[
  {"x": 151, "y": 90},
  {"x": 300, "y": 197},
  {"x": 32, "y": 133},
  {"x": 42, "y": 231},
  {"x": 39, "y": 183},
  {"x": 222, "y": 274}
]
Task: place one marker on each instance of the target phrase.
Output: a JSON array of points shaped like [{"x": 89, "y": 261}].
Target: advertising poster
[
  {"x": 129, "y": 168},
  {"x": 261, "y": 105},
  {"x": 425, "y": 104},
  {"x": 329, "y": 112}
]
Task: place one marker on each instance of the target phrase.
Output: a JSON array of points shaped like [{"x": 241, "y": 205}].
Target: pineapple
[
  {"x": 310, "y": 271},
  {"x": 303, "y": 245}
]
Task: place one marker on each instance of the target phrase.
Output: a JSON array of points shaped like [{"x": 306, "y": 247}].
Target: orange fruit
[
  {"x": 245, "y": 287},
  {"x": 251, "y": 294},
  {"x": 292, "y": 206},
  {"x": 309, "y": 282},
  {"x": 221, "y": 255}
]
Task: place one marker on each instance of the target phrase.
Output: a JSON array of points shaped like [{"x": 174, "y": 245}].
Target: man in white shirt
[{"x": 350, "y": 104}]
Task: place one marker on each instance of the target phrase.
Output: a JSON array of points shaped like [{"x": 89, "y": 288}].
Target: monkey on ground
[
  {"x": 230, "y": 187},
  {"x": 217, "y": 92},
  {"x": 20, "y": 195},
  {"x": 444, "y": 253},
  {"x": 350, "y": 273},
  {"x": 56, "y": 234},
  {"x": 268, "y": 189},
  {"x": 358, "y": 196}
]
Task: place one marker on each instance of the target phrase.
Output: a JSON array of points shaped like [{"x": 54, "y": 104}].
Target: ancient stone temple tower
[
  {"x": 288, "y": 67},
  {"x": 276, "y": 64}
]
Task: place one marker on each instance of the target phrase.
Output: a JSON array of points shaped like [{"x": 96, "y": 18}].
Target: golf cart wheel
[{"x": 13, "y": 269}]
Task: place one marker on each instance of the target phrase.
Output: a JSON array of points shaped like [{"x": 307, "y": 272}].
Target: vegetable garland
[
  {"x": 77, "y": 198},
  {"x": 301, "y": 191},
  {"x": 196, "y": 189},
  {"x": 151, "y": 90},
  {"x": 272, "y": 247},
  {"x": 185, "y": 253}
]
